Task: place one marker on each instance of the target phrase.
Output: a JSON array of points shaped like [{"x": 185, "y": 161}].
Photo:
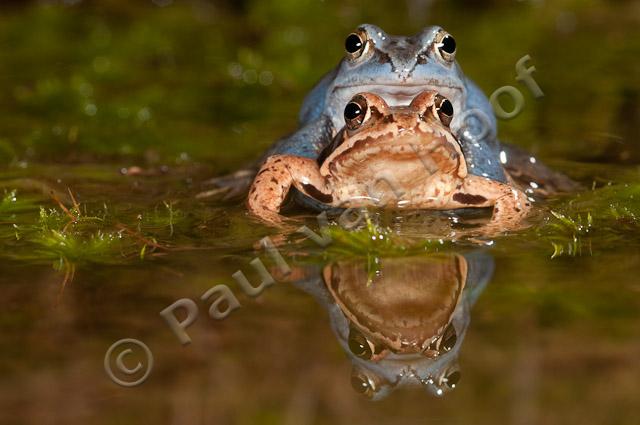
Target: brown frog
[
  {"x": 407, "y": 309},
  {"x": 402, "y": 157}
]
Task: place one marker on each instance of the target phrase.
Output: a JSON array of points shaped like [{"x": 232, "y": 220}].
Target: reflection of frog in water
[
  {"x": 398, "y": 68},
  {"x": 407, "y": 325},
  {"x": 402, "y": 157}
]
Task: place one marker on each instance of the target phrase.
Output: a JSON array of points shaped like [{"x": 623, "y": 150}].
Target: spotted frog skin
[{"x": 403, "y": 157}]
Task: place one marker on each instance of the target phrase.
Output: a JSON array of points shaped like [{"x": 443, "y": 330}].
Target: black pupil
[
  {"x": 353, "y": 43},
  {"x": 448, "y": 45},
  {"x": 352, "y": 111},
  {"x": 446, "y": 108}
]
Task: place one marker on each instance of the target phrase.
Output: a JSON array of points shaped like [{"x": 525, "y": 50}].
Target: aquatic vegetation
[
  {"x": 102, "y": 104},
  {"x": 372, "y": 239},
  {"x": 568, "y": 233},
  {"x": 596, "y": 219},
  {"x": 10, "y": 205},
  {"x": 81, "y": 235}
]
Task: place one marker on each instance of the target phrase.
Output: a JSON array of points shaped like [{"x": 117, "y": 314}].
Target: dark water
[{"x": 194, "y": 89}]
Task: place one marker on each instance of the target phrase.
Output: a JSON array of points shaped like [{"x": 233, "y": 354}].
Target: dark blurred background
[{"x": 218, "y": 81}]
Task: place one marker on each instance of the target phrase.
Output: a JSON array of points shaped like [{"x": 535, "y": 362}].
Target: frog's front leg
[
  {"x": 274, "y": 180},
  {"x": 510, "y": 205},
  {"x": 308, "y": 141}
]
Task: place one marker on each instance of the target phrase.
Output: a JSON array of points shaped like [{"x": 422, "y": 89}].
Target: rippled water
[{"x": 191, "y": 90}]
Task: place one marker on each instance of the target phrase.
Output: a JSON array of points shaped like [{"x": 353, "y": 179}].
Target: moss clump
[
  {"x": 79, "y": 235},
  {"x": 598, "y": 219}
]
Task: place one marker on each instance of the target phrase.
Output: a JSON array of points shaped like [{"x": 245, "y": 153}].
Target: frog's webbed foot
[
  {"x": 510, "y": 205},
  {"x": 274, "y": 180},
  {"x": 528, "y": 172},
  {"x": 230, "y": 186},
  {"x": 509, "y": 211}
]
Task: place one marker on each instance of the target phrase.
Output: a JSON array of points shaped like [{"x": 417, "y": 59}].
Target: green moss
[
  {"x": 374, "y": 240},
  {"x": 81, "y": 235},
  {"x": 594, "y": 220}
]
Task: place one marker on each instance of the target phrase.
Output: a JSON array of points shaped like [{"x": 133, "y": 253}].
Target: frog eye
[
  {"x": 356, "y": 43},
  {"x": 443, "y": 109},
  {"x": 449, "y": 338},
  {"x": 368, "y": 383},
  {"x": 452, "y": 378},
  {"x": 362, "y": 385},
  {"x": 359, "y": 345},
  {"x": 445, "y": 343},
  {"x": 355, "y": 112},
  {"x": 446, "y": 46}
]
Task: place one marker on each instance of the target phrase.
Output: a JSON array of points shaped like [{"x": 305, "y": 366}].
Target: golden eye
[
  {"x": 356, "y": 43},
  {"x": 443, "y": 109},
  {"x": 446, "y": 46},
  {"x": 355, "y": 112}
]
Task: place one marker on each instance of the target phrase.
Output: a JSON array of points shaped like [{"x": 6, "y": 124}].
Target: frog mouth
[{"x": 396, "y": 94}]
